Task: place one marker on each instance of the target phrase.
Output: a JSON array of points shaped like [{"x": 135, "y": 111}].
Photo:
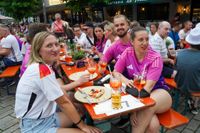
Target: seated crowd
[{"x": 45, "y": 96}]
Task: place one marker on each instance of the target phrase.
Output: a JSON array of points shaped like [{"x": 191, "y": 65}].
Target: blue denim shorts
[{"x": 43, "y": 125}]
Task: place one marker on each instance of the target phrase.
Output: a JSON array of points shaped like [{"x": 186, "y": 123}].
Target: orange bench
[
  {"x": 8, "y": 73},
  {"x": 171, "y": 119}
]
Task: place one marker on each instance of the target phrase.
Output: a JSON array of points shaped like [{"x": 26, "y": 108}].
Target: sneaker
[
  {"x": 192, "y": 109},
  {"x": 124, "y": 122}
]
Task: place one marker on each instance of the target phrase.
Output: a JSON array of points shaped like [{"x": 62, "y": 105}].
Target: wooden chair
[
  {"x": 9, "y": 72},
  {"x": 171, "y": 119}
]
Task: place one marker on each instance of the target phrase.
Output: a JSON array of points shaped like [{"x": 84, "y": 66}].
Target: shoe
[
  {"x": 124, "y": 122},
  {"x": 192, "y": 109}
]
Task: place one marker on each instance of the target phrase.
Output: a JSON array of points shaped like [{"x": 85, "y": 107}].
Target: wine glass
[
  {"x": 102, "y": 67},
  {"x": 139, "y": 82},
  {"x": 91, "y": 69}
]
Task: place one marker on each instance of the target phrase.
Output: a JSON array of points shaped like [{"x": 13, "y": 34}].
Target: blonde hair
[
  {"x": 110, "y": 26},
  {"x": 37, "y": 43}
]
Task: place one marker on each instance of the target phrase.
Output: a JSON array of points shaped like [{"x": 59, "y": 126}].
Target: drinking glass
[
  {"x": 91, "y": 69},
  {"x": 139, "y": 82},
  {"x": 102, "y": 67},
  {"x": 115, "y": 84}
]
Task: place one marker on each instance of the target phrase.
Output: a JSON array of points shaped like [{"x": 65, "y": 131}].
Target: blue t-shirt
[{"x": 175, "y": 37}]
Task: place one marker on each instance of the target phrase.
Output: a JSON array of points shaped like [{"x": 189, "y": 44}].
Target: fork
[{"x": 85, "y": 95}]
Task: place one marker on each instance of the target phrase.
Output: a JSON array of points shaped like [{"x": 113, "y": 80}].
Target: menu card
[{"x": 128, "y": 102}]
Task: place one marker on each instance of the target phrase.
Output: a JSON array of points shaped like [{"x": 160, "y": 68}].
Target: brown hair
[{"x": 136, "y": 29}]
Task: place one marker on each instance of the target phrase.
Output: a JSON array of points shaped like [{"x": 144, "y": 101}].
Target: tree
[
  {"x": 78, "y": 5},
  {"x": 19, "y": 9}
]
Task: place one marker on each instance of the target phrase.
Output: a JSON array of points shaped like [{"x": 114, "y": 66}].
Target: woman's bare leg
[
  {"x": 154, "y": 125},
  {"x": 163, "y": 103}
]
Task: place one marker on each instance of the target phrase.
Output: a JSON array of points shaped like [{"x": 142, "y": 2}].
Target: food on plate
[{"x": 96, "y": 93}]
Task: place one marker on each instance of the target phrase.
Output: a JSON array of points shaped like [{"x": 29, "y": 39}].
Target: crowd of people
[{"x": 164, "y": 51}]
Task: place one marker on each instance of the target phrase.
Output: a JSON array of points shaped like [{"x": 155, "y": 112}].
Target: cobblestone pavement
[{"x": 9, "y": 123}]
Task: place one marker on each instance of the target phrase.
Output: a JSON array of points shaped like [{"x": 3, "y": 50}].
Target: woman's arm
[
  {"x": 83, "y": 79},
  {"x": 122, "y": 78},
  {"x": 68, "y": 108},
  {"x": 149, "y": 85}
]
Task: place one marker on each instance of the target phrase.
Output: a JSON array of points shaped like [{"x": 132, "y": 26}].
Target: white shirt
[
  {"x": 84, "y": 42},
  {"x": 11, "y": 42},
  {"x": 182, "y": 34},
  {"x": 159, "y": 45},
  {"x": 78, "y": 39},
  {"x": 36, "y": 92}
]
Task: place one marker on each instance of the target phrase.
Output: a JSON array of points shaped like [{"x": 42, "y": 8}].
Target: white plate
[
  {"x": 104, "y": 97},
  {"x": 75, "y": 76}
]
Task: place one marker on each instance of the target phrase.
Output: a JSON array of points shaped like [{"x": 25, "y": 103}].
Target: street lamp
[{"x": 44, "y": 11}]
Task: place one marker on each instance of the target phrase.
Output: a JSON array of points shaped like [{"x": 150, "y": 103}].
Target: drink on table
[
  {"x": 102, "y": 67},
  {"x": 116, "y": 95},
  {"x": 139, "y": 83},
  {"x": 91, "y": 70},
  {"x": 68, "y": 58}
]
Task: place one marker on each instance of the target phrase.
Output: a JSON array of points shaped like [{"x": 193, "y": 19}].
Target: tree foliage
[
  {"x": 19, "y": 9},
  {"x": 78, "y": 5}
]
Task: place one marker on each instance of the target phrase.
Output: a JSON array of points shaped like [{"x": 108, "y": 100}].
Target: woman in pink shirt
[{"x": 142, "y": 60}]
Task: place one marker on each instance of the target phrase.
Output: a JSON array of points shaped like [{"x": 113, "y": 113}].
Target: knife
[{"x": 85, "y": 95}]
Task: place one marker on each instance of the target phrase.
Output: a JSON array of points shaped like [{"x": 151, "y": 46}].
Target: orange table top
[
  {"x": 90, "y": 108},
  {"x": 69, "y": 70}
]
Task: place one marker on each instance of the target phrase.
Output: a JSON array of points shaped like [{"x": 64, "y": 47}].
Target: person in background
[
  {"x": 174, "y": 34},
  {"x": 58, "y": 26},
  {"x": 110, "y": 33},
  {"x": 33, "y": 29},
  {"x": 79, "y": 35},
  {"x": 140, "y": 59},
  {"x": 184, "y": 32},
  {"x": 9, "y": 48},
  {"x": 99, "y": 40},
  {"x": 187, "y": 65},
  {"x": 158, "y": 43},
  {"x": 114, "y": 52},
  {"x": 38, "y": 93},
  {"x": 153, "y": 29},
  {"x": 88, "y": 41}
]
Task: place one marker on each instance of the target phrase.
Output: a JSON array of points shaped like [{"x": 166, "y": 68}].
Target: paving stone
[
  {"x": 6, "y": 113},
  {"x": 7, "y": 122},
  {"x": 193, "y": 125},
  {"x": 7, "y": 103},
  {"x": 12, "y": 129},
  {"x": 197, "y": 117},
  {"x": 6, "y": 109},
  {"x": 181, "y": 128},
  {"x": 172, "y": 131},
  {"x": 198, "y": 130},
  {"x": 187, "y": 131},
  {"x": 17, "y": 131}
]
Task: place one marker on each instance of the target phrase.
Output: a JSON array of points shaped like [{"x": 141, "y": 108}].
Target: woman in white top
[{"x": 38, "y": 93}]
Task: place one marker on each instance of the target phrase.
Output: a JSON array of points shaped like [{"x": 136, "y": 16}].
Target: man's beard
[{"x": 121, "y": 36}]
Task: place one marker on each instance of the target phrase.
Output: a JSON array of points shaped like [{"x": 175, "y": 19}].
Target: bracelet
[{"x": 78, "y": 122}]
